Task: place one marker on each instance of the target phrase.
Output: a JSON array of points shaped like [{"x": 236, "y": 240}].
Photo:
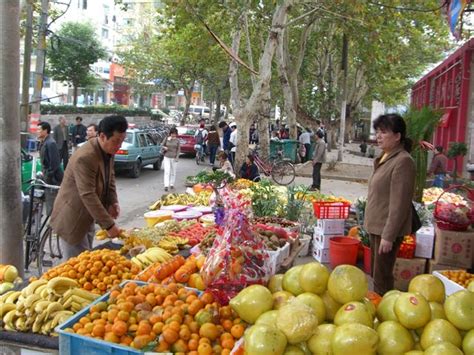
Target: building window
[
  {"x": 105, "y": 33},
  {"x": 106, "y": 20},
  {"x": 84, "y": 4}
]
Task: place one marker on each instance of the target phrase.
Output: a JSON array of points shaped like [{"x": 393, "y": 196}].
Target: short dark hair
[
  {"x": 251, "y": 158},
  {"x": 395, "y": 123},
  {"x": 222, "y": 124},
  {"x": 439, "y": 148},
  {"x": 212, "y": 128},
  {"x": 45, "y": 126},
  {"x": 222, "y": 155},
  {"x": 79, "y": 118},
  {"x": 110, "y": 124},
  {"x": 93, "y": 125},
  {"x": 320, "y": 134},
  {"x": 173, "y": 130}
]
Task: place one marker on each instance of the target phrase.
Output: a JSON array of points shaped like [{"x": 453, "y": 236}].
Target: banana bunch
[
  {"x": 201, "y": 198},
  {"x": 151, "y": 256},
  {"x": 172, "y": 244},
  {"x": 102, "y": 234},
  {"x": 42, "y": 305}
]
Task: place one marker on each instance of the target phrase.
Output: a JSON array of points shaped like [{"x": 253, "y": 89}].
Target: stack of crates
[{"x": 330, "y": 223}]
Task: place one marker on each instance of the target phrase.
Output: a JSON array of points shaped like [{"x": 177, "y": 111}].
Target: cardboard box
[
  {"x": 331, "y": 226},
  {"x": 321, "y": 239},
  {"x": 432, "y": 265},
  {"x": 425, "y": 242},
  {"x": 321, "y": 254},
  {"x": 454, "y": 248},
  {"x": 450, "y": 287},
  {"x": 406, "y": 269}
]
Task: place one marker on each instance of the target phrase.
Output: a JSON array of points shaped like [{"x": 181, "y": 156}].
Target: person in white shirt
[
  {"x": 201, "y": 138},
  {"x": 233, "y": 142},
  {"x": 305, "y": 139}
]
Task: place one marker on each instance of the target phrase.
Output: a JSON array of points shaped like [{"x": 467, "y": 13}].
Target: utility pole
[
  {"x": 40, "y": 59},
  {"x": 11, "y": 242},
  {"x": 345, "y": 49},
  {"x": 25, "y": 84}
]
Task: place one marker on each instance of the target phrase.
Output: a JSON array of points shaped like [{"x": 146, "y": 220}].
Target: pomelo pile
[{"x": 311, "y": 311}]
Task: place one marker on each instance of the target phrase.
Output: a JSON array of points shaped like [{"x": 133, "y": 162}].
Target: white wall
[{"x": 378, "y": 108}]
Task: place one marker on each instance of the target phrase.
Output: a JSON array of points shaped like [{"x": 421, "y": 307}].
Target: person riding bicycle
[
  {"x": 249, "y": 169},
  {"x": 201, "y": 136}
]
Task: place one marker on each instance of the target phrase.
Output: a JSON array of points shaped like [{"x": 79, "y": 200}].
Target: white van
[{"x": 199, "y": 111}]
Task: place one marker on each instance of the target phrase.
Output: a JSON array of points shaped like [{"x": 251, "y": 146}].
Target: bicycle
[
  {"x": 281, "y": 170},
  {"x": 37, "y": 231},
  {"x": 199, "y": 153}
]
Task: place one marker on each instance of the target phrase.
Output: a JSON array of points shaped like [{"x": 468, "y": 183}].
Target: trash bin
[
  {"x": 275, "y": 146},
  {"x": 31, "y": 144},
  {"x": 290, "y": 149},
  {"x": 309, "y": 154}
]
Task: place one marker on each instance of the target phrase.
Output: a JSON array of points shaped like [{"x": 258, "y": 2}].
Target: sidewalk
[{"x": 354, "y": 167}]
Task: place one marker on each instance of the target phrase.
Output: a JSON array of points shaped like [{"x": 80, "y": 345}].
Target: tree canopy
[{"x": 72, "y": 50}]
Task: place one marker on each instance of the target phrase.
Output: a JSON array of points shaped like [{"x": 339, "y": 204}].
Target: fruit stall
[{"x": 253, "y": 268}]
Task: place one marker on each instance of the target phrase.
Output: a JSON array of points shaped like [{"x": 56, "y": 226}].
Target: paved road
[{"x": 135, "y": 195}]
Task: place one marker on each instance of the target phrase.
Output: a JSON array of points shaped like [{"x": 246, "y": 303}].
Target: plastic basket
[
  {"x": 407, "y": 248},
  {"x": 448, "y": 223},
  {"x": 72, "y": 343},
  {"x": 331, "y": 210}
]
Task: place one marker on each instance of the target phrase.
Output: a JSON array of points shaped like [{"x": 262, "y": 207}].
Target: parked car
[
  {"x": 27, "y": 169},
  {"x": 138, "y": 149},
  {"x": 186, "y": 139}
]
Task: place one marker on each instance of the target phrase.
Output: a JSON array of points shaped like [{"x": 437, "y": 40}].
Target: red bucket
[
  {"x": 367, "y": 260},
  {"x": 343, "y": 250}
]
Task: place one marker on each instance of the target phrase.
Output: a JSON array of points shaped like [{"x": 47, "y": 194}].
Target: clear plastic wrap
[{"x": 238, "y": 257}]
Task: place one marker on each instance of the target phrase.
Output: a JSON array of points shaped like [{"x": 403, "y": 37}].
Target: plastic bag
[
  {"x": 238, "y": 257},
  {"x": 297, "y": 321}
]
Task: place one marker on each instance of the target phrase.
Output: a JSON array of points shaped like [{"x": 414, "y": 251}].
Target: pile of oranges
[
  {"x": 175, "y": 270},
  {"x": 96, "y": 271},
  {"x": 163, "y": 318},
  {"x": 461, "y": 277}
]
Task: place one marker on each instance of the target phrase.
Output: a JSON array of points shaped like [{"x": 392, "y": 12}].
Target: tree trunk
[
  {"x": 74, "y": 95},
  {"x": 217, "y": 113},
  {"x": 188, "y": 92},
  {"x": 246, "y": 114},
  {"x": 263, "y": 125}
]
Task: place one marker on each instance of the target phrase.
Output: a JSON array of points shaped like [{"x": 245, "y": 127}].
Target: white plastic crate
[
  {"x": 450, "y": 286},
  {"x": 331, "y": 226},
  {"x": 321, "y": 254}
]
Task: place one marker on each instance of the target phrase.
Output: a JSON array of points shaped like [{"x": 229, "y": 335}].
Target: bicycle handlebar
[{"x": 42, "y": 183}]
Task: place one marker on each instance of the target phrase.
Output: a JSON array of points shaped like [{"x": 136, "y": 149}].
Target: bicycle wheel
[
  {"x": 283, "y": 173},
  {"x": 41, "y": 259},
  {"x": 32, "y": 234}
]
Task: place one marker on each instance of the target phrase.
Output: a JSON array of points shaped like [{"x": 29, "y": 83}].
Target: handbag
[{"x": 415, "y": 220}]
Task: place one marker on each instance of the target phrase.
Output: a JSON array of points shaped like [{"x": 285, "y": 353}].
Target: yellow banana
[
  {"x": 60, "y": 317},
  {"x": 77, "y": 299},
  {"x": 31, "y": 288},
  {"x": 53, "y": 307},
  {"x": 76, "y": 307},
  {"x": 20, "y": 324},
  {"x": 5, "y": 308},
  {"x": 61, "y": 284},
  {"x": 46, "y": 327},
  {"x": 40, "y": 289},
  {"x": 12, "y": 298},
  {"x": 30, "y": 300},
  {"x": 84, "y": 294},
  {"x": 6, "y": 295},
  {"x": 8, "y": 319},
  {"x": 41, "y": 306}
]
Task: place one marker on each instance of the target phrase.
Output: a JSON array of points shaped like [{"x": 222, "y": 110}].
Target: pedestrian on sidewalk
[
  {"x": 214, "y": 143},
  {"x": 438, "y": 167},
  {"x": 305, "y": 140},
  {"x": 371, "y": 151},
  {"x": 233, "y": 142},
  {"x": 172, "y": 150},
  {"x": 78, "y": 133},
  {"x": 319, "y": 158},
  {"x": 388, "y": 213},
  {"x": 88, "y": 192},
  {"x": 363, "y": 147},
  {"x": 61, "y": 137}
]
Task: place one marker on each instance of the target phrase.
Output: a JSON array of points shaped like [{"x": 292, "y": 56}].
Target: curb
[{"x": 360, "y": 180}]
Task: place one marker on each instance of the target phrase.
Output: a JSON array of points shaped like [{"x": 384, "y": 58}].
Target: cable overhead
[{"x": 414, "y": 9}]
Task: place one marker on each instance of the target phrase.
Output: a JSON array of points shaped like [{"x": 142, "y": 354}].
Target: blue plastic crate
[{"x": 75, "y": 344}]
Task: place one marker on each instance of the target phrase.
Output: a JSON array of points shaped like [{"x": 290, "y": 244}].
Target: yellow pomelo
[
  {"x": 347, "y": 283},
  {"x": 437, "y": 311},
  {"x": 354, "y": 338},
  {"x": 262, "y": 339},
  {"x": 280, "y": 298},
  {"x": 320, "y": 342},
  {"x": 316, "y": 304},
  {"x": 268, "y": 318},
  {"x": 252, "y": 302},
  {"x": 275, "y": 283},
  {"x": 468, "y": 342},
  {"x": 330, "y": 305},
  {"x": 314, "y": 278},
  {"x": 412, "y": 310},
  {"x": 444, "y": 348},
  {"x": 439, "y": 331},
  {"x": 291, "y": 280},
  {"x": 429, "y": 286},
  {"x": 459, "y": 309},
  {"x": 385, "y": 310},
  {"x": 394, "y": 338},
  {"x": 293, "y": 350},
  {"x": 414, "y": 352},
  {"x": 354, "y": 312}
]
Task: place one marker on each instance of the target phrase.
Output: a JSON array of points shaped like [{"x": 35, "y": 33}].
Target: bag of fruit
[
  {"x": 237, "y": 257},
  {"x": 455, "y": 215}
]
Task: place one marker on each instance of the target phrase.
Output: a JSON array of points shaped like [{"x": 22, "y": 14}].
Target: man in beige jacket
[
  {"x": 319, "y": 158},
  {"x": 88, "y": 192}
]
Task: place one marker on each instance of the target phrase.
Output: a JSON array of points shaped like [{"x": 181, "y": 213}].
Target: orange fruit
[
  {"x": 140, "y": 341},
  {"x": 144, "y": 327},
  {"x": 227, "y": 324},
  {"x": 207, "y": 298},
  {"x": 205, "y": 349},
  {"x": 111, "y": 337},
  {"x": 237, "y": 331},
  {"x": 185, "y": 334},
  {"x": 98, "y": 330},
  {"x": 170, "y": 335},
  {"x": 209, "y": 330},
  {"x": 228, "y": 343},
  {"x": 119, "y": 328},
  {"x": 193, "y": 344}
]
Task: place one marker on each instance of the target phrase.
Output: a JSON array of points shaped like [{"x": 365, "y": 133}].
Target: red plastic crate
[{"x": 331, "y": 210}]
